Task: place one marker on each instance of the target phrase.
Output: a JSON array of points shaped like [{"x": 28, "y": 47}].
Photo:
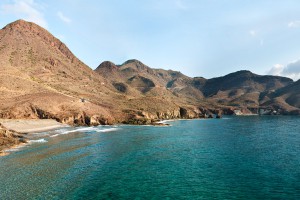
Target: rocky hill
[
  {"x": 286, "y": 99},
  {"x": 41, "y": 78},
  {"x": 242, "y": 88}
]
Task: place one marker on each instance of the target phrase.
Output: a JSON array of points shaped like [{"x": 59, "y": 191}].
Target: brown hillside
[
  {"x": 242, "y": 88},
  {"x": 35, "y": 65},
  {"x": 286, "y": 98},
  {"x": 41, "y": 78}
]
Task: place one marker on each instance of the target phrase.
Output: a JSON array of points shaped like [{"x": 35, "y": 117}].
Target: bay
[{"x": 253, "y": 157}]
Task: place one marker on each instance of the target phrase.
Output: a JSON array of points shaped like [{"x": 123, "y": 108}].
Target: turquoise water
[{"x": 232, "y": 158}]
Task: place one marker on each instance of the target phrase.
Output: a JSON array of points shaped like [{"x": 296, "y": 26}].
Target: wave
[
  {"x": 16, "y": 148},
  {"x": 107, "y": 130},
  {"x": 64, "y": 132},
  {"x": 86, "y": 129},
  {"x": 38, "y": 141},
  {"x": 165, "y": 121}
]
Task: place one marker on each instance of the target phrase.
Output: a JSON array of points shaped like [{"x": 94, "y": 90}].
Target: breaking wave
[{"x": 38, "y": 141}]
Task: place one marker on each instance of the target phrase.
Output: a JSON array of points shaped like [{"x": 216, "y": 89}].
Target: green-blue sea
[{"x": 254, "y": 157}]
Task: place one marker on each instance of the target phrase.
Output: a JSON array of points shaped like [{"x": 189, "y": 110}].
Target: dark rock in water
[
  {"x": 218, "y": 116},
  {"x": 160, "y": 124}
]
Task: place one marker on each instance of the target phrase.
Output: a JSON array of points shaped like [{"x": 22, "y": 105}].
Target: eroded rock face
[
  {"x": 9, "y": 139},
  {"x": 85, "y": 120},
  {"x": 144, "y": 118}
]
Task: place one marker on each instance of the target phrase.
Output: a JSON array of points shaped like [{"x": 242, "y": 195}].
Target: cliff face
[
  {"x": 41, "y": 78},
  {"x": 9, "y": 139}
]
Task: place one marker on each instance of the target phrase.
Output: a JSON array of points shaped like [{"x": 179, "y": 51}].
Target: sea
[{"x": 245, "y": 157}]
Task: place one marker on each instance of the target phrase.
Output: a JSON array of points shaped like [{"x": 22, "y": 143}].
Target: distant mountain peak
[
  {"x": 23, "y": 25},
  {"x": 136, "y": 65},
  {"x": 107, "y": 65},
  {"x": 135, "y": 61},
  {"x": 243, "y": 72},
  {"x": 29, "y": 33}
]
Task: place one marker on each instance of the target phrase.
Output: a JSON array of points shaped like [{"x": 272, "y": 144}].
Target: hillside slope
[
  {"x": 41, "y": 78},
  {"x": 242, "y": 88},
  {"x": 38, "y": 72},
  {"x": 286, "y": 99}
]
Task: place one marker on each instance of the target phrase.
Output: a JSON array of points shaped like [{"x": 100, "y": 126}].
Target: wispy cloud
[
  {"x": 25, "y": 9},
  {"x": 292, "y": 70},
  {"x": 294, "y": 24},
  {"x": 63, "y": 17}
]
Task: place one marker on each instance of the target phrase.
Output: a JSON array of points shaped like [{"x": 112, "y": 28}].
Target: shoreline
[
  {"x": 23, "y": 127},
  {"x": 8, "y": 150},
  {"x": 26, "y": 126},
  {"x": 14, "y": 131}
]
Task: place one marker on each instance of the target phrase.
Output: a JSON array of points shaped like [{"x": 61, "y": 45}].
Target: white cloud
[
  {"x": 294, "y": 24},
  {"x": 292, "y": 70},
  {"x": 276, "y": 69},
  {"x": 27, "y": 10},
  {"x": 63, "y": 17}
]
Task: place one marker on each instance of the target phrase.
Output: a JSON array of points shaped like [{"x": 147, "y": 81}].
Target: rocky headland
[{"x": 9, "y": 139}]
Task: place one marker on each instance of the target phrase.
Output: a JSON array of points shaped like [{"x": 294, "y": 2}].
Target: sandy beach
[
  {"x": 12, "y": 131},
  {"x": 31, "y": 125}
]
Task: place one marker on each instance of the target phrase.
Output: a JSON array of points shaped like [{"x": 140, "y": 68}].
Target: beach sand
[
  {"x": 30, "y": 125},
  {"x": 12, "y": 131}
]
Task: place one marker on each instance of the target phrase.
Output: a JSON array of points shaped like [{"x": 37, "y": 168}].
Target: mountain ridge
[{"x": 41, "y": 78}]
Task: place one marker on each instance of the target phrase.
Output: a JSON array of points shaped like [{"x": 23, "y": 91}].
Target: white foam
[
  {"x": 165, "y": 121},
  {"x": 55, "y": 135},
  {"x": 38, "y": 141},
  {"x": 16, "y": 148},
  {"x": 64, "y": 131},
  {"x": 99, "y": 129},
  {"x": 107, "y": 130}
]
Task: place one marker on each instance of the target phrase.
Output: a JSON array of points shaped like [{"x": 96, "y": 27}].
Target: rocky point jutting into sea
[{"x": 42, "y": 79}]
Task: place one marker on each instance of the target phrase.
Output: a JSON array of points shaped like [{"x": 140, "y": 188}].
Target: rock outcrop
[{"x": 9, "y": 138}]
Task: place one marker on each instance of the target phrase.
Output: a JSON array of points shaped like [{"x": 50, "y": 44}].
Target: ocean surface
[{"x": 232, "y": 158}]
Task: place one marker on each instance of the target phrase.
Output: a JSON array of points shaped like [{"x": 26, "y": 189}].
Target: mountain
[
  {"x": 133, "y": 75},
  {"x": 286, "y": 99},
  {"x": 242, "y": 88},
  {"x": 41, "y": 78}
]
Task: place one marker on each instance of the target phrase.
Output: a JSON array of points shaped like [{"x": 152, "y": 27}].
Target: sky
[{"x": 206, "y": 38}]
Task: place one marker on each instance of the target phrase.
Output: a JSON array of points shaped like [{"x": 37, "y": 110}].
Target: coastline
[
  {"x": 13, "y": 131},
  {"x": 25, "y": 126},
  {"x": 19, "y": 128},
  {"x": 6, "y": 151}
]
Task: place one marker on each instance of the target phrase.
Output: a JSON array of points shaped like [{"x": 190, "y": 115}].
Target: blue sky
[{"x": 206, "y": 38}]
